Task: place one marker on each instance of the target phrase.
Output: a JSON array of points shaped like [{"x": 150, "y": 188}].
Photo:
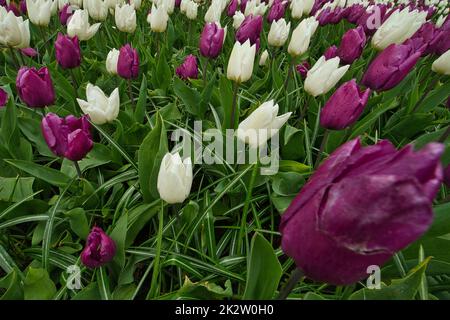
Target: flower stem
[
  {"x": 13, "y": 55},
  {"x": 289, "y": 74},
  {"x": 295, "y": 277},
  {"x": 130, "y": 93},
  {"x": 154, "y": 284},
  {"x": 77, "y": 167},
  {"x": 445, "y": 135},
  {"x": 322, "y": 147},
  {"x": 205, "y": 70},
  {"x": 234, "y": 105}
]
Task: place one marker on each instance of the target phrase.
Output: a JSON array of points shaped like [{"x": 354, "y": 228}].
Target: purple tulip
[
  {"x": 13, "y": 8},
  {"x": 390, "y": 67},
  {"x": 232, "y": 7},
  {"x": 277, "y": 11},
  {"x": 177, "y": 3},
  {"x": 128, "y": 63},
  {"x": 352, "y": 45},
  {"x": 360, "y": 207},
  {"x": 441, "y": 41},
  {"x": 65, "y": 14},
  {"x": 330, "y": 53},
  {"x": 23, "y": 6},
  {"x": 3, "y": 3},
  {"x": 423, "y": 38},
  {"x": 3, "y": 97},
  {"x": 366, "y": 19},
  {"x": 344, "y": 107},
  {"x": 331, "y": 16},
  {"x": 35, "y": 87},
  {"x": 447, "y": 176},
  {"x": 318, "y": 4},
  {"x": 243, "y": 5},
  {"x": 250, "y": 29},
  {"x": 29, "y": 52},
  {"x": 303, "y": 69},
  {"x": 67, "y": 51},
  {"x": 354, "y": 12},
  {"x": 211, "y": 40},
  {"x": 68, "y": 137},
  {"x": 189, "y": 68},
  {"x": 100, "y": 249}
]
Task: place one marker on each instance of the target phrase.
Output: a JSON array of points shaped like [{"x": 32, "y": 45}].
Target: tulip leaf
[
  {"x": 263, "y": 270},
  {"x": 435, "y": 98},
  {"x": 78, "y": 222},
  {"x": 139, "y": 113},
  {"x": 138, "y": 219},
  {"x": 160, "y": 79},
  {"x": 151, "y": 152},
  {"x": 38, "y": 285},
  {"x": 441, "y": 223},
  {"x": 399, "y": 289},
  {"x": 15, "y": 189},
  {"x": 12, "y": 287},
  {"x": 203, "y": 290},
  {"x": 226, "y": 99},
  {"x": 189, "y": 96},
  {"x": 90, "y": 292},
  {"x": 52, "y": 176},
  {"x": 119, "y": 235}
]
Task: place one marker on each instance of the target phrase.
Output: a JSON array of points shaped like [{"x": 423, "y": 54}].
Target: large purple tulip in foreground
[
  {"x": 361, "y": 206},
  {"x": 100, "y": 249}
]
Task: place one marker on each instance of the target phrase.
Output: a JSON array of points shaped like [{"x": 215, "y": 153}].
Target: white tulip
[
  {"x": 240, "y": 64},
  {"x": 136, "y": 3},
  {"x": 301, "y": 8},
  {"x": 175, "y": 178},
  {"x": 400, "y": 25},
  {"x": 100, "y": 108},
  {"x": 255, "y": 8},
  {"x": 213, "y": 14},
  {"x": 113, "y": 3},
  {"x": 261, "y": 125},
  {"x": 76, "y": 3},
  {"x": 97, "y": 9},
  {"x": 191, "y": 10},
  {"x": 264, "y": 58},
  {"x": 301, "y": 37},
  {"x": 324, "y": 75},
  {"x": 125, "y": 17},
  {"x": 440, "y": 21},
  {"x": 112, "y": 60},
  {"x": 40, "y": 11},
  {"x": 238, "y": 18},
  {"x": 79, "y": 26},
  {"x": 168, "y": 5},
  {"x": 14, "y": 32},
  {"x": 157, "y": 19},
  {"x": 442, "y": 64},
  {"x": 279, "y": 32}
]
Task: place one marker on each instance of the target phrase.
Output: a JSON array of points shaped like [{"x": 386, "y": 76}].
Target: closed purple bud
[
  {"x": 189, "y": 68},
  {"x": 355, "y": 12},
  {"x": 318, "y": 4},
  {"x": 360, "y": 207},
  {"x": 128, "y": 62},
  {"x": 330, "y": 53},
  {"x": 441, "y": 41},
  {"x": 23, "y": 7},
  {"x": 352, "y": 45},
  {"x": 390, "y": 67},
  {"x": 177, "y": 3},
  {"x": 303, "y": 69},
  {"x": 100, "y": 249},
  {"x": 68, "y": 137},
  {"x": 344, "y": 107},
  {"x": 3, "y": 3},
  {"x": 65, "y": 14},
  {"x": 13, "y": 8},
  {"x": 67, "y": 51},
  {"x": 277, "y": 11},
  {"x": 35, "y": 87},
  {"x": 3, "y": 98},
  {"x": 423, "y": 38},
  {"x": 250, "y": 29},
  {"x": 29, "y": 52},
  {"x": 243, "y": 5},
  {"x": 325, "y": 16},
  {"x": 232, "y": 7},
  {"x": 211, "y": 40}
]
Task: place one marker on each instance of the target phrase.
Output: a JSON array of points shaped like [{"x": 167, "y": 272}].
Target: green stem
[
  {"x": 154, "y": 284},
  {"x": 234, "y": 105},
  {"x": 322, "y": 147},
  {"x": 13, "y": 55},
  {"x": 130, "y": 93},
  {"x": 77, "y": 167},
  {"x": 295, "y": 277},
  {"x": 205, "y": 70}
]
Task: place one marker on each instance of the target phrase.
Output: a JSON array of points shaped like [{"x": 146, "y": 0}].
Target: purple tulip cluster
[
  {"x": 360, "y": 207},
  {"x": 100, "y": 249}
]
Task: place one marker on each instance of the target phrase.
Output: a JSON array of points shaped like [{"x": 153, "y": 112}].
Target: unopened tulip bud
[
  {"x": 442, "y": 64},
  {"x": 240, "y": 64},
  {"x": 100, "y": 249},
  {"x": 303, "y": 69},
  {"x": 35, "y": 87},
  {"x": 3, "y": 97},
  {"x": 125, "y": 17},
  {"x": 158, "y": 18},
  {"x": 65, "y": 14},
  {"x": 189, "y": 68},
  {"x": 128, "y": 62},
  {"x": 264, "y": 58},
  {"x": 352, "y": 45},
  {"x": 301, "y": 36},
  {"x": 211, "y": 40},
  {"x": 323, "y": 76},
  {"x": 67, "y": 51},
  {"x": 111, "y": 61}
]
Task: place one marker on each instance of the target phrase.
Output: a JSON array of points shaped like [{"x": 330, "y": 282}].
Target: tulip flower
[
  {"x": 100, "y": 249},
  {"x": 447, "y": 176},
  {"x": 137, "y": 4},
  {"x": 14, "y": 32},
  {"x": 323, "y": 76},
  {"x": 174, "y": 178},
  {"x": 250, "y": 29},
  {"x": 330, "y": 53},
  {"x": 128, "y": 62},
  {"x": 303, "y": 69},
  {"x": 23, "y": 7},
  {"x": 13, "y": 8},
  {"x": 277, "y": 10},
  {"x": 344, "y": 107},
  {"x": 68, "y": 137},
  {"x": 65, "y": 14},
  {"x": 67, "y": 50},
  {"x": 158, "y": 18},
  {"x": 191, "y": 10},
  {"x": 213, "y": 14},
  {"x": 3, "y": 97},
  {"x": 360, "y": 207},
  {"x": 111, "y": 61},
  {"x": 189, "y": 68},
  {"x": 211, "y": 40},
  {"x": 35, "y": 87},
  {"x": 255, "y": 8},
  {"x": 301, "y": 8},
  {"x": 301, "y": 36},
  {"x": 424, "y": 39},
  {"x": 441, "y": 42},
  {"x": 78, "y": 25},
  {"x": 264, "y": 58},
  {"x": 279, "y": 32},
  {"x": 238, "y": 19},
  {"x": 354, "y": 12},
  {"x": 125, "y": 17},
  {"x": 262, "y": 124},
  {"x": 29, "y": 52},
  {"x": 100, "y": 108},
  {"x": 97, "y": 9},
  {"x": 352, "y": 45},
  {"x": 39, "y": 11},
  {"x": 400, "y": 26},
  {"x": 390, "y": 67},
  {"x": 240, "y": 64},
  {"x": 232, "y": 7},
  {"x": 442, "y": 64}
]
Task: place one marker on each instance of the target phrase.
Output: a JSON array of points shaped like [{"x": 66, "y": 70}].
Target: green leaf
[
  {"x": 226, "y": 99},
  {"x": 161, "y": 76},
  {"x": 11, "y": 284},
  {"x": 91, "y": 292},
  {"x": 78, "y": 222},
  {"x": 52, "y": 176},
  {"x": 190, "y": 97},
  {"x": 119, "y": 235},
  {"x": 139, "y": 113},
  {"x": 313, "y": 296},
  {"x": 399, "y": 289},
  {"x": 203, "y": 290},
  {"x": 38, "y": 285},
  {"x": 151, "y": 152},
  {"x": 441, "y": 223},
  {"x": 15, "y": 189},
  {"x": 435, "y": 98},
  {"x": 263, "y": 272}
]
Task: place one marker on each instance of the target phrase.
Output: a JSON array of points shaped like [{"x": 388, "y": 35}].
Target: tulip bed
[{"x": 97, "y": 200}]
